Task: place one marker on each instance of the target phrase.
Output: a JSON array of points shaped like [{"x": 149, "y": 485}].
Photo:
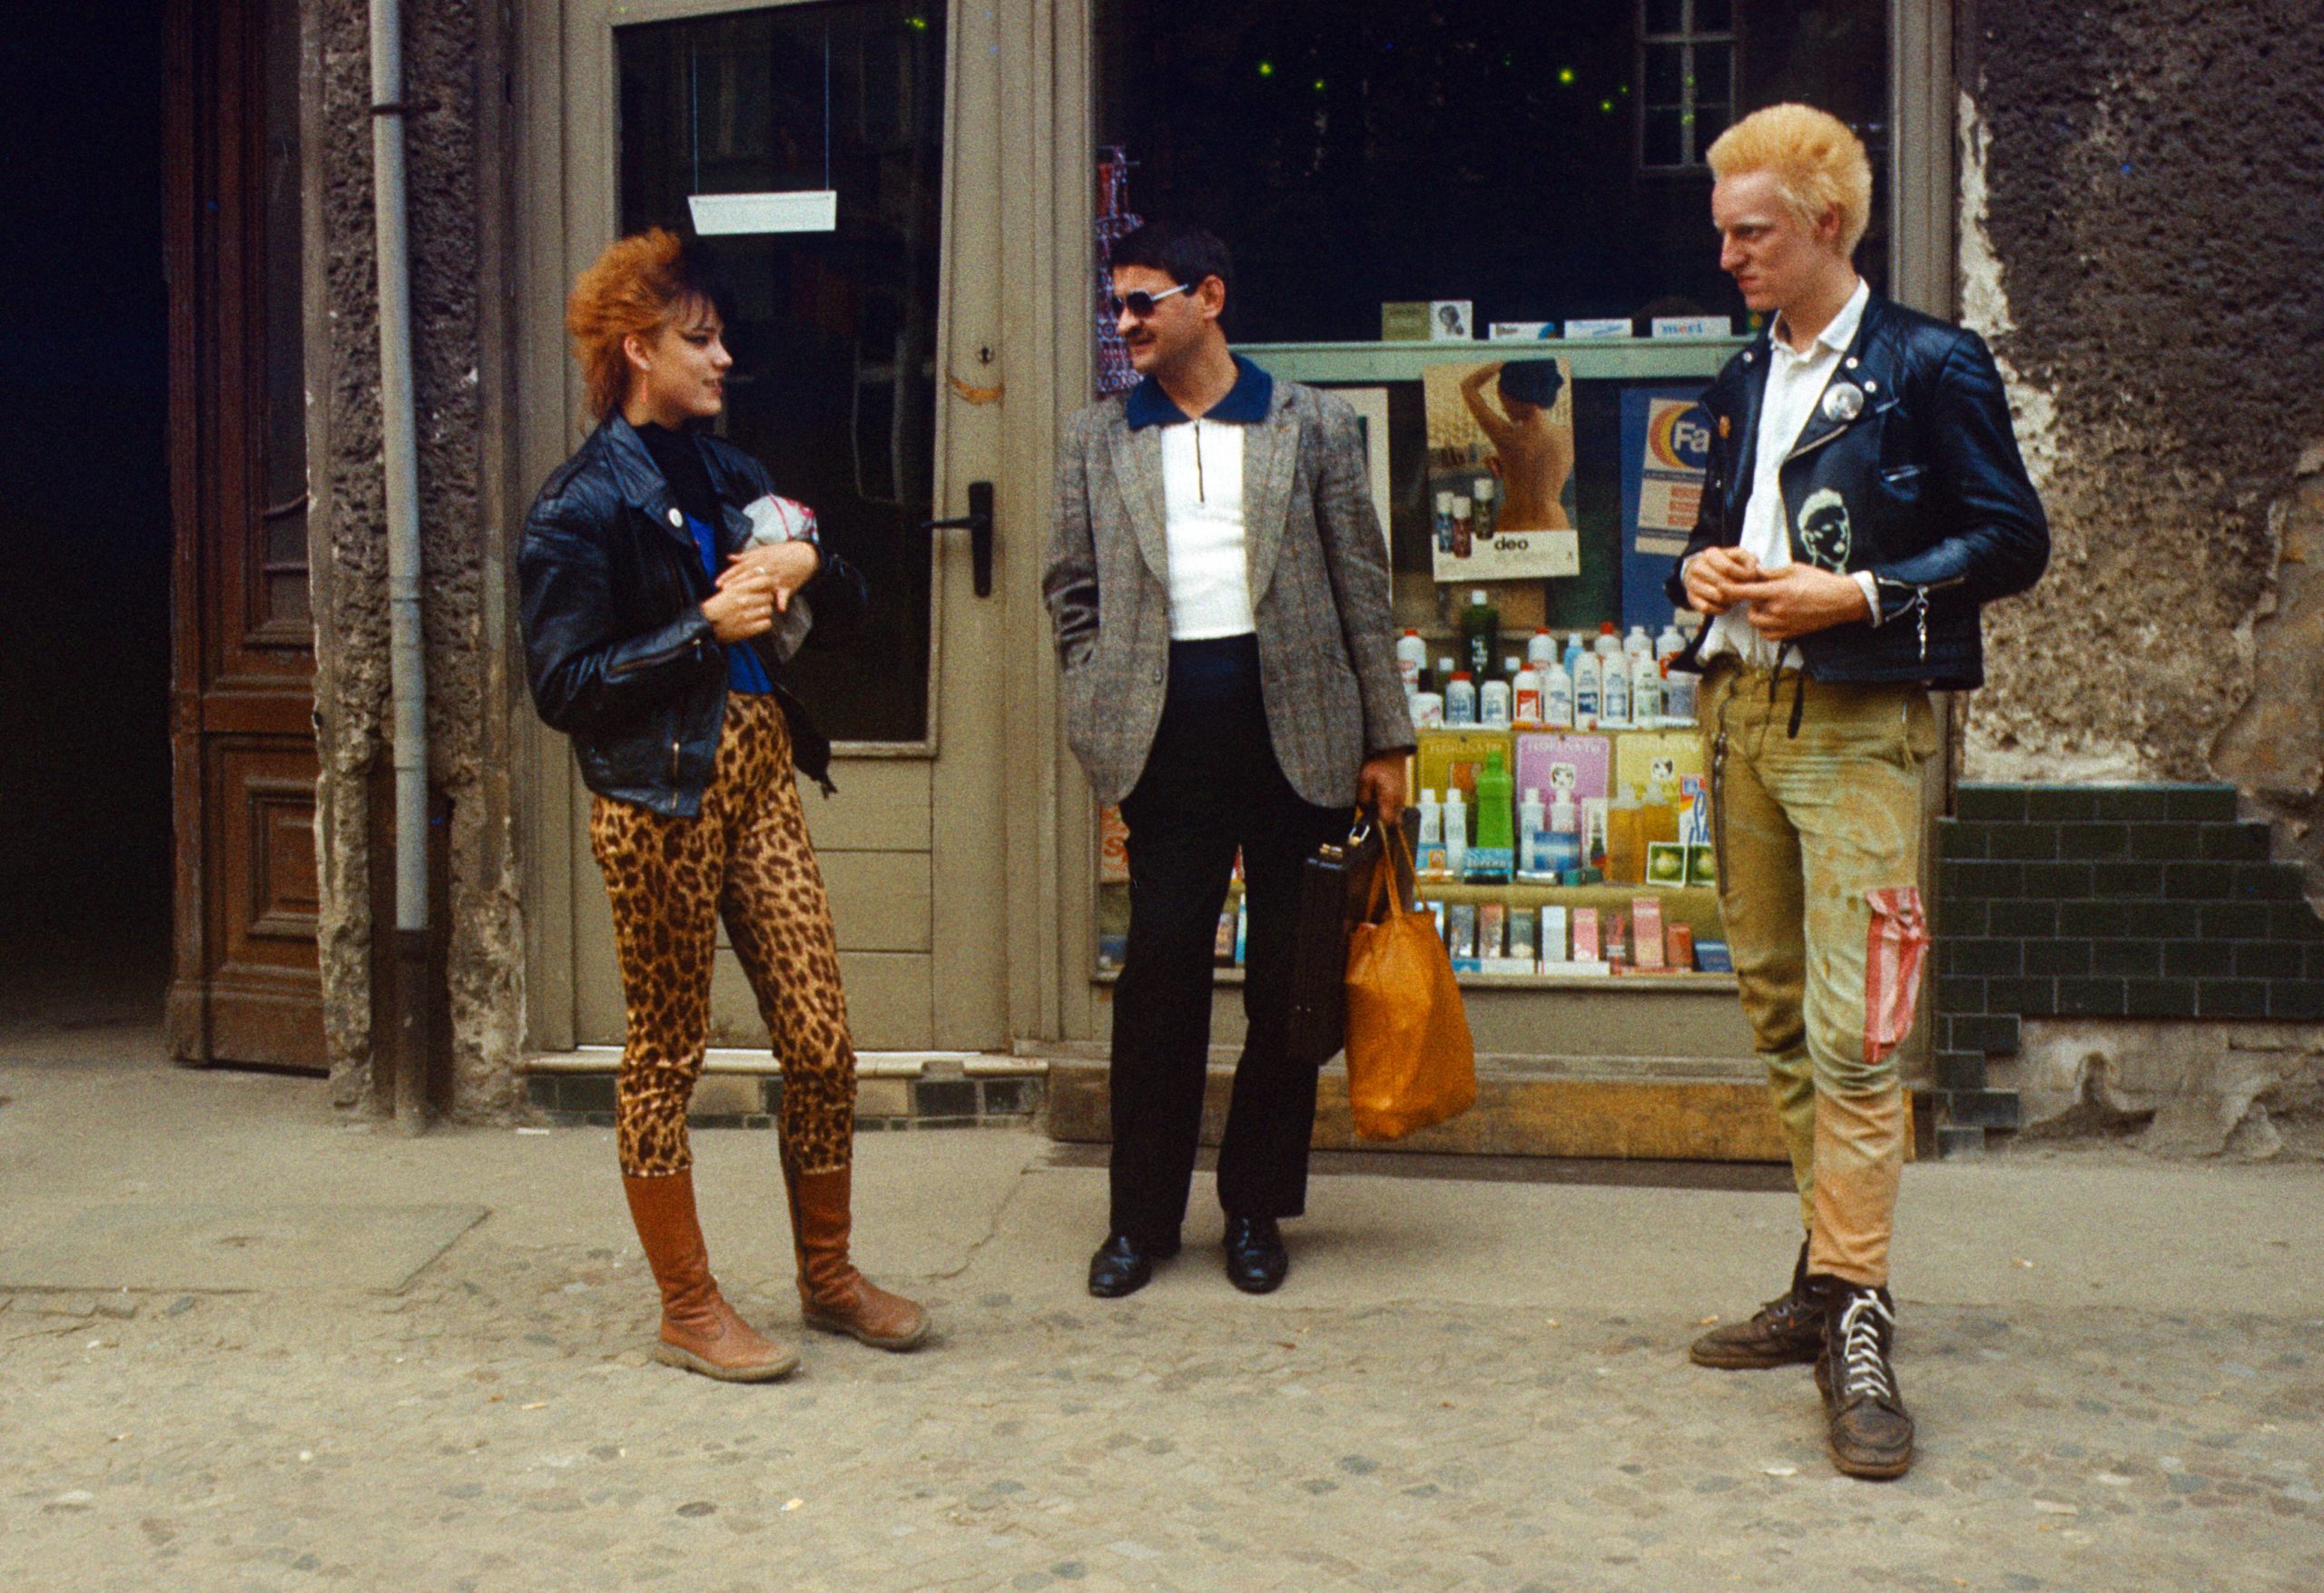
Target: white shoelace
[{"x": 1867, "y": 1374}]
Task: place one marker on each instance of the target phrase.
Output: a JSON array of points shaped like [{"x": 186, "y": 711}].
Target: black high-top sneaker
[
  {"x": 1786, "y": 1332},
  {"x": 1869, "y": 1432}
]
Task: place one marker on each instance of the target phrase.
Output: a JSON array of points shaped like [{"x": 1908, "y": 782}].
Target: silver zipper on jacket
[{"x": 1718, "y": 799}]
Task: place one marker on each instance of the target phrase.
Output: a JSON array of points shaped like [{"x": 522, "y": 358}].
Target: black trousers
[{"x": 1211, "y": 784}]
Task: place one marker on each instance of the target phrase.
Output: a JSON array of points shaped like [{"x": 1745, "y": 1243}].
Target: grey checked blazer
[{"x": 1318, "y": 571}]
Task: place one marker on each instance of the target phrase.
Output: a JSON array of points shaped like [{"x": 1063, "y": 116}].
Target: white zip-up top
[{"x": 1202, "y": 495}]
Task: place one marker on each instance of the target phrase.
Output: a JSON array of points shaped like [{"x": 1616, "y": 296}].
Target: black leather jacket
[
  {"x": 1922, "y": 487},
  {"x": 617, "y": 652}
]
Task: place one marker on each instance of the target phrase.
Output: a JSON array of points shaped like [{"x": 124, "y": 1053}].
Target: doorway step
[{"x": 895, "y": 1090}]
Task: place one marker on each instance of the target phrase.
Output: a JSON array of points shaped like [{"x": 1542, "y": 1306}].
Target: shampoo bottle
[
  {"x": 1562, "y": 851},
  {"x": 1614, "y": 691},
  {"x": 1412, "y": 657},
  {"x": 1625, "y": 838},
  {"x": 1557, "y": 695},
  {"x": 1586, "y": 680},
  {"x": 1493, "y": 704},
  {"x": 1493, "y": 854},
  {"x": 1460, "y": 700},
  {"x": 1456, "y": 833},
  {"x": 1529, "y": 838},
  {"x": 1526, "y": 707},
  {"x": 1645, "y": 692}
]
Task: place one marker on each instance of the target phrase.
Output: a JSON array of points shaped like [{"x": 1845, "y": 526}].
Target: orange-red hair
[{"x": 635, "y": 286}]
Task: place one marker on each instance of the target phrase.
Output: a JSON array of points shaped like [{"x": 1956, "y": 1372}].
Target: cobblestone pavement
[{"x": 495, "y": 1426}]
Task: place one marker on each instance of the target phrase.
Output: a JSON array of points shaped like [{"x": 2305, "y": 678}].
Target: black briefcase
[{"x": 1334, "y": 892}]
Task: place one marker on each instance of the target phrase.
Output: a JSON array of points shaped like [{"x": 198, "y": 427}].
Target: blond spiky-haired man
[{"x": 1865, "y": 498}]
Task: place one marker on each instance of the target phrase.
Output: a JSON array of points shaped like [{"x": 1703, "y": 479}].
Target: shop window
[
  {"x": 834, "y": 330},
  {"x": 1686, "y": 72},
  {"x": 1509, "y": 185}
]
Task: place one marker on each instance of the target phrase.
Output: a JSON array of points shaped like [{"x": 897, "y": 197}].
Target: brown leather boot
[
  {"x": 832, "y": 1295},
  {"x": 1785, "y": 1332},
  {"x": 700, "y": 1331}
]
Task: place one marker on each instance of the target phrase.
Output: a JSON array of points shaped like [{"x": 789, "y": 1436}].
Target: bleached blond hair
[{"x": 1818, "y": 165}]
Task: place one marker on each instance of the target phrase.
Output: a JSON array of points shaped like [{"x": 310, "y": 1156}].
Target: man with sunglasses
[{"x": 1219, "y": 582}]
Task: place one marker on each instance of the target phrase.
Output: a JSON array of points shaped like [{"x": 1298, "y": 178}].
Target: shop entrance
[{"x": 837, "y": 161}]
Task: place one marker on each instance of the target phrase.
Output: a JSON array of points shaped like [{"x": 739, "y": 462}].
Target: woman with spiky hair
[{"x": 664, "y": 587}]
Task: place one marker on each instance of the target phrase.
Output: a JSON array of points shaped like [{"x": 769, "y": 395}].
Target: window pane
[
  {"x": 834, "y": 333},
  {"x": 1711, "y": 121},
  {"x": 1666, "y": 74},
  {"x": 1714, "y": 73},
  {"x": 1664, "y": 138},
  {"x": 1665, "y": 16},
  {"x": 1713, "y": 16}
]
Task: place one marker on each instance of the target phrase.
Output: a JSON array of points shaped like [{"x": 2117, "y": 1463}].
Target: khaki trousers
[{"x": 1819, "y": 838}]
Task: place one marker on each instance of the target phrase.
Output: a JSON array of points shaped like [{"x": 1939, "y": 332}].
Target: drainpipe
[{"x": 407, "y": 1041}]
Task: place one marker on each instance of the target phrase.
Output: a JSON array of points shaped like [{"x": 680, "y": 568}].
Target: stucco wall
[
  {"x": 2141, "y": 221},
  {"x": 453, "y": 76}
]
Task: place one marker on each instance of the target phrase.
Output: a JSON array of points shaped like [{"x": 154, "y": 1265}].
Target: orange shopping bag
[{"x": 1410, "y": 1060}]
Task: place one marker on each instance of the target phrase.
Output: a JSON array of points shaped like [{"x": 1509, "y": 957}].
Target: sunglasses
[{"x": 1141, "y": 303}]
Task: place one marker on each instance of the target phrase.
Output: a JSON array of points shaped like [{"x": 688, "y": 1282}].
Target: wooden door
[
  {"x": 868, "y": 381},
  {"x": 245, "y": 986}
]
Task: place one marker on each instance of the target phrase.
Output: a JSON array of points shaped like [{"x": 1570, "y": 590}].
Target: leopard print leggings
[{"x": 746, "y": 860}]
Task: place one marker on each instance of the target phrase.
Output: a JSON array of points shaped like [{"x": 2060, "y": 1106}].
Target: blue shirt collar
[{"x": 1247, "y": 403}]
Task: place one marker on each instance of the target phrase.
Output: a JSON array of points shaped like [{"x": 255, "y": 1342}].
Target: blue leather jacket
[
  {"x": 1916, "y": 479},
  {"x": 617, "y": 651}
]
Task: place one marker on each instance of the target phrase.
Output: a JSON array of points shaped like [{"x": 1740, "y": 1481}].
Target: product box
[
  {"x": 1711, "y": 957},
  {"x": 1601, "y": 327},
  {"x": 1646, "y": 927},
  {"x": 1702, "y": 864},
  {"x": 1585, "y": 934},
  {"x": 1593, "y": 837},
  {"x": 1242, "y": 929},
  {"x": 1522, "y": 945},
  {"x": 1522, "y": 331},
  {"x": 1449, "y": 759},
  {"x": 1461, "y": 931},
  {"x": 1666, "y": 863},
  {"x": 1221, "y": 949},
  {"x": 1692, "y": 326},
  {"x": 1680, "y": 951},
  {"x": 1551, "y": 762},
  {"x": 1552, "y": 946},
  {"x": 1113, "y": 847},
  {"x": 1614, "y": 939},
  {"x": 1643, "y": 757},
  {"x": 1694, "y": 810},
  {"x": 1492, "y": 922},
  {"x": 1435, "y": 321}
]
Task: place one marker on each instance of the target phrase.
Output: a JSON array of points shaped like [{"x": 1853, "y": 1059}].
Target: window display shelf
[
  {"x": 1591, "y": 358},
  {"x": 1481, "y": 981}
]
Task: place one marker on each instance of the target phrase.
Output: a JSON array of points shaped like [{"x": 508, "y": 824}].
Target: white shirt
[
  {"x": 1202, "y": 496},
  {"x": 1794, "y": 382}
]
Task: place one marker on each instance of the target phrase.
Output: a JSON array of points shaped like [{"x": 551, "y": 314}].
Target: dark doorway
[{"x": 84, "y": 521}]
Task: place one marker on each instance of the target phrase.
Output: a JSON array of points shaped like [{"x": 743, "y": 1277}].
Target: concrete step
[{"x": 1627, "y": 1107}]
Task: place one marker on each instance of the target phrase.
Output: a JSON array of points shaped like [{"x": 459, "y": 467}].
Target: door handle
[{"x": 978, "y": 523}]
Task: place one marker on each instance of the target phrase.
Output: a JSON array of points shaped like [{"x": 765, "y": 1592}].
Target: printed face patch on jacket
[{"x": 1823, "y": 529}]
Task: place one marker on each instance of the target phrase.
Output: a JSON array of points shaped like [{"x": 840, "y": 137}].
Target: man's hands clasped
[{"x": 1782, "y": 603}]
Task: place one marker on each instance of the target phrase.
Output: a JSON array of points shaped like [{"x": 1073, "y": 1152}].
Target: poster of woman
[{"x": 1501, "y": 470}]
